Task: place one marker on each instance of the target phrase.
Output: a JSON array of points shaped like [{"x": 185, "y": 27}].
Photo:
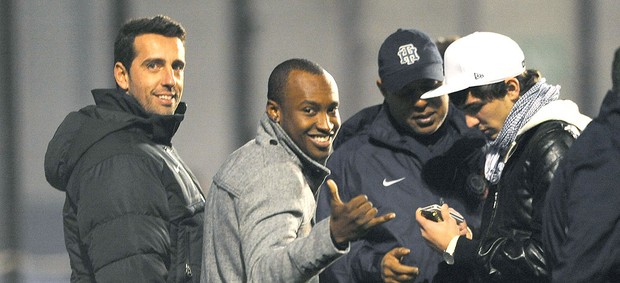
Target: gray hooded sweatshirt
[{"x": 259, "y": 214}]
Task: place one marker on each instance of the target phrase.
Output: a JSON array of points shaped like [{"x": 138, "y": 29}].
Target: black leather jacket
[{"x": 509, "y": 247}]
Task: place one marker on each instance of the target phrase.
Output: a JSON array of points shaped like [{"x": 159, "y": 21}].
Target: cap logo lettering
[
  {"x": 408, "y": 54},
  {"x": 478, "y": 76}
]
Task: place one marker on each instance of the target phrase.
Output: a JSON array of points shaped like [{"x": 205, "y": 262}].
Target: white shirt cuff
[{"x": 452, "y": 245}]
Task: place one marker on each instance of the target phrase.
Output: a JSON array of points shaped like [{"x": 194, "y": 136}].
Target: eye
[
  {"x": 472, "y": 109},
  {"x": 151, "y": 65},
  {"x": 333, "y": 110},
  {"x": 178, "y": 66},
  {"x": 309, "y": 110}
]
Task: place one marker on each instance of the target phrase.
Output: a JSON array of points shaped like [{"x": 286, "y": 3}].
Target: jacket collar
[
  {"x": 562, "y": 110},
  {"x": 268, "y": 131},
  {"x": 118, "y": 107},
  {"x": 384, "y": 130},
  {"x": 114, "y": 112}
]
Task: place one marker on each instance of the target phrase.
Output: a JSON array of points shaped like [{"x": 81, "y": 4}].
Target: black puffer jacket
[
  {"x": 133, "y": 210},
  {"x": 509, "y": 247}
]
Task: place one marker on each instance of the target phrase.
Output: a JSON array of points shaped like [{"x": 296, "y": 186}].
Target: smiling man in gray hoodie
[{"x": 259, "y": 223}]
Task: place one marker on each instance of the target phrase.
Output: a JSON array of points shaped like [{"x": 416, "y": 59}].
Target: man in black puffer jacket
[
  {"x": 529, "y": 131},
  {"x": 133, "y": 210}
]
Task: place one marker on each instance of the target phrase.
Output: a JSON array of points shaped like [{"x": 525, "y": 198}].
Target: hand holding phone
[{"x": 433, "y": 212}]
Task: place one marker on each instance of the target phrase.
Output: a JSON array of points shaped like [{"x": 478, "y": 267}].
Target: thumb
[
  {"x": 399, "y": 253},
  {"x": 333, "y": 188},
  {"x": 445, "y": 212}
]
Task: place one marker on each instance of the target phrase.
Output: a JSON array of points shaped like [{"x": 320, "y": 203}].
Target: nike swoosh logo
[{"x": 387, "y": 183}]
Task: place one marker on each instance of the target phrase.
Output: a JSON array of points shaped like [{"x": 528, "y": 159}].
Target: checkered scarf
[{"x": 526, "y": 106}]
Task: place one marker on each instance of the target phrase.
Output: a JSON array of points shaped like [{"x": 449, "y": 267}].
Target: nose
[
  {"x": 421, "y": 104},
  {"x": 471, "y": 121},
  {"x": 324, "y": 123},
  {"x": 169, "y": 79}
]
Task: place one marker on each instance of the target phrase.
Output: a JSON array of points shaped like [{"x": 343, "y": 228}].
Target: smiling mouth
[
  {"x": 321, "y": 140},
  {"x": 424, "y": 119},
  {"x": 167, "y": 99}
]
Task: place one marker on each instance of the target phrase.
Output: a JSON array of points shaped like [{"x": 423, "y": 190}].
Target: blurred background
[{"x": 53, "y": 53}]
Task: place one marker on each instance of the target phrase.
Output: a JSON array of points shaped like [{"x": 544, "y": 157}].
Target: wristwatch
[
  {"x": 448, "y": 254},
  {"x": 448, "y": 257}
]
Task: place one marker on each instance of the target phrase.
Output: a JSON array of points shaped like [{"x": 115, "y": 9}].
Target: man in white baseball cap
[
  {"x": 479, "y": 59},
  {"x": 529, "y": 131}
]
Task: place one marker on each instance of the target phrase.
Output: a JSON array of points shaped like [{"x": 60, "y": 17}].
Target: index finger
[
  {"x": 418, "y": 216},
  {"x": 445, "y": 213},
  {"x": 399, "y": 252},
  {"x": 381, "y": 219},
  {"x": 395, "y": 266},
  {"x": 403, "y": 269}
]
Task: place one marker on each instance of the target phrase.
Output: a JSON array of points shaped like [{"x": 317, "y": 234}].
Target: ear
[
  {"x": 273, "y": 111},
  {"x": 380, "y": 86},
  {"x": 121, "y": 76},
  {"x": 513, "y": 89}
]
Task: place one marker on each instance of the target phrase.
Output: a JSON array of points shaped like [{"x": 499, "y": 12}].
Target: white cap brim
[
  {"x": 442, "y": 90},
  {"x": 480, "y": 58}
]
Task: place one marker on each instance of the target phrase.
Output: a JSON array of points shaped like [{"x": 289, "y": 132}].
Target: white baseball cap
[{"x": 480, "y": 58}]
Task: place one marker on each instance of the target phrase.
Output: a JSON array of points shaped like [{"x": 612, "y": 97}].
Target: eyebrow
[
  {"x": 468, "y": 106},
  {"x": 314, "y": 103},
  {"x": 153, "y": 60}
]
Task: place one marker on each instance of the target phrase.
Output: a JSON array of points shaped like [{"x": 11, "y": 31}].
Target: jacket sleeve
[
  {"x": 122, "y": 219},
  {"x": 274, "y": 217},
  {"x": 80, "y": 264},
  {"x": 590, "y": 251},
  {"x": 520, "y": 256},
  {"x": 362, "y": 263}
]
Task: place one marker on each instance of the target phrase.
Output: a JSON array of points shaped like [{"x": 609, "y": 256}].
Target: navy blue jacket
[
  {"x": 581, "y": 230},
  {"x": 399, "y": 173}
]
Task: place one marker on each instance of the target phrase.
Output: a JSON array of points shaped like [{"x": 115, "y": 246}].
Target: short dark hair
[
  {"x": 279, "y": 76},
  {"x": 496, "y": 90},
  {"x": 442, "y": 43},
  {"x": 124, "y": 49}
]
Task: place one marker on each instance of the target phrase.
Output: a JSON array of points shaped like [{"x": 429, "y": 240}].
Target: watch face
[{"x": 448, "y": 258}]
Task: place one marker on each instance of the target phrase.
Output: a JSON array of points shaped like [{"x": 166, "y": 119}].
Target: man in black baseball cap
[
  {"x": 408, "y": 55},
  {"x": 382, "y": 152}
]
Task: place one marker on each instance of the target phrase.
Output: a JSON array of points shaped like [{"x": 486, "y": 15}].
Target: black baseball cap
[{"x": 407, "y": 55}]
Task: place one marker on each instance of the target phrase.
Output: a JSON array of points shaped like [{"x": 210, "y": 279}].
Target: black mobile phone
[{"x": 433, "y": 212}]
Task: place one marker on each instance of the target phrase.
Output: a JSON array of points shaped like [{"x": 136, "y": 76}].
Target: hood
[
  {"x": 81, "y": 129},
  {"x": 386, "y": 131},
  {"x": 563, "y": 110}
]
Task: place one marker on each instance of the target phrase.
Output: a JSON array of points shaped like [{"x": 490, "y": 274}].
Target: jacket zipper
[
  {"x": 491, "y": 220},
  {"x": 188, "y": 269},
  {"x": 511, "y": 150},
  {"x": 179, "y": 168}
]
